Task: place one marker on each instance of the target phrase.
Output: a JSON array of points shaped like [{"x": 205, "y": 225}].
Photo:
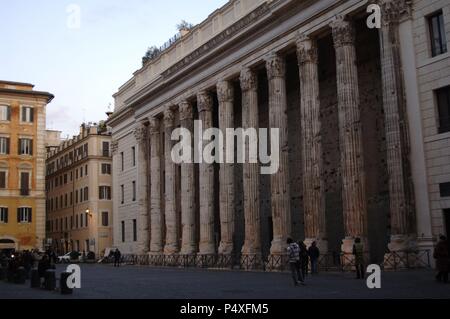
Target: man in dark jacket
[
  {"x": 314, "y": 254},
  {"x": 358, "y": 252},
  {"x": 117, "y": 257},
  {"x": 441, "y": 254},
  {"x": 304, "y": 259}
]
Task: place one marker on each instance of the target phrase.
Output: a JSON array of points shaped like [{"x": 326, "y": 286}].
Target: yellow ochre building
[{"x": 22, "y": 165}]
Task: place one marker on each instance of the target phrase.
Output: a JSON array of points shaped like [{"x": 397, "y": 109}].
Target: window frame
[
  {"x": 4, "y": 212},
  {"x": 443, "y": 47},
  {"x": 29, "y": 117},
  {"x": 29, "y": 215},
  {"x": 8, "y": 113}
]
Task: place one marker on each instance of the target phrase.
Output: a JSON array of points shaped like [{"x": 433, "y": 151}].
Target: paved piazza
[{"x": 132, "y": 282}]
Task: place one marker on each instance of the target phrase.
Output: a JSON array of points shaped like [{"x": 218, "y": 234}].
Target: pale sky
[{"x": 83, "y": 67}]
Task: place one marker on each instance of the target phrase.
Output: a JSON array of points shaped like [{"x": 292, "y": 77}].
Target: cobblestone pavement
[{"x": 135, "y": 282}]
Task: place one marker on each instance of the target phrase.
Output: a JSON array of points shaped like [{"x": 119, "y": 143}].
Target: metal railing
[{"x": 332, "y": 261}]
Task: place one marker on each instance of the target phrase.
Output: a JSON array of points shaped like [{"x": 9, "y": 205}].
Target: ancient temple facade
[{"x": 352, "y": 105}]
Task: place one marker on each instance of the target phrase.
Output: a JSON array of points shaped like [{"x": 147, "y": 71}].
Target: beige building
[
  {"x": 78, "y": 183},
  {"x": 364, "y": 120}
]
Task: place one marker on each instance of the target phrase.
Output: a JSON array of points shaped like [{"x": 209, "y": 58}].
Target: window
[
  {"x": 106, "y": 169},
  {"x": 105, "y": 149},
  {"x": 71, "y": 222},
  {"x": 76, "y": 197},
  {"x": 86, "y": 170},
  {"x": 133, "y": 155},
  {"x": 24, "y": 184},
  {"x": 105, "y": 192},
  {"x": 25, "y": 146},
  {"x": 65, "y": 179},
  {"x": 3, "y": 179},
  {"x": 65, "y": 200},
  {"x": 444, "y": 189},
  {"x": 24, "y": 215},
  {"x": 86, "y": 193},
  {"x": 27, "y": 114},
  {"x": 134, "y": 230},
  {"x": 123, "y": 231},
  {"x": 81, "y": 220},
  {"x": 437, "y": 34},
  {"x": 85, "y": 150},
  {"x": 65, "y": 224},
  {"x": 134, "y": 191},
  {"x": 4, "y": 145},
  {"x": 4, "y": 215},
  {"x": 81, "y": 195},
  {"x": 443, "y": 104},
  {"x": 81, "y": 172},
  {"x": 122, "y": 194},
  {"x": 86, "y": 218},
  {"x": 5, "y": 113},
  {"x": 71, "y": 198},
  {"x": 76, "y": 222},
  {"x": 121, "y": 162},
  {"x": 105, "y": 219}
]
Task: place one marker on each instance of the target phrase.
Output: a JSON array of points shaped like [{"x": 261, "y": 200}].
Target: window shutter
[
  {"x": 31, "y": 147},
  {"x": 31, "y": 115},
  {"x": 8, "y": 142},
  {"x": 18, "y": 215},
  {"x": 8, "y": 113},
  {"x": 30, "y": 216},
  {"x": 2, "y": 179},
  {"x": 6, "y": 215}
]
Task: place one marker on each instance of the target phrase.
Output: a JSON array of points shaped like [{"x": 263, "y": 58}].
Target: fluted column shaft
[
  {"x": 141, "y": 136},
  {"x": 250, "y": 120},
  {"x": 397, "y": 140},
  {"x": 225, "y": 94},
  {"x": 206, "y": 182},
  {"x": 314, "y": 210},
  {"x": 156, "y": 240},
  {"x": 170, "y": 211},
  {"x": 350, "y": 133},
  {"x": 281, "y": 214},
  {"x": 188, "y": 245}
]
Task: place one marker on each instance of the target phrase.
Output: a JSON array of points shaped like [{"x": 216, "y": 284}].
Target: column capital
[
  {"x": 141, "y": 133},
  {"x": 186, "y": 110},
  {"x": 393, "y": 11},
  {"x": 249, "y": 80},
  {"x": 154, "y": 125},
  {"x": 275, "y": 65},
  {"x": 204, "y": 102},
  {"x": 306, "y": 50},
  {"x": 225, "y": 91},
  {"x": 169, "y": 117},
  {"x": 114, "y": 147},
  {"x": 343, "y": 32}
]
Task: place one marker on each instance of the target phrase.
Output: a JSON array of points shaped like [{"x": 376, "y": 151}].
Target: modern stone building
[
  {"x": 363, "y": 115},
  {"x": 78, "y": 184},
  {"x": 22, "y": 165}
]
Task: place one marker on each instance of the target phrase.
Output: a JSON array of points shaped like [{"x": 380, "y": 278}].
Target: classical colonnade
[{"x": 151, "y": 211}]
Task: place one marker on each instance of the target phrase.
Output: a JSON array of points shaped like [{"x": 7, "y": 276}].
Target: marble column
[
  {"x": 225, "y": 94},
  {"x": 170, "y": 208},
  {"x": 279, "y": 182},
  {"x": 397, "y": 139},
  {"x": 207, "y": 244},
  {"x": 250, "y": 120},
  {"x": 313, "y": 191},
  {"x": 141, "y": 136},
  {"x": 188, "y": 242},
  {"x": 156, "y": 240},
  {"x": 350, "y": 135}
]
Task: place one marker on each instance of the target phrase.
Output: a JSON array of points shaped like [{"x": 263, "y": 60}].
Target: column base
[
  {"x": 188, "y": 250},
  {"x": 170, "y": 250},
  {"x": 278, "y": 247},
  {"x": 402, "y": 252},
  {"x": 226, "y": 248}
]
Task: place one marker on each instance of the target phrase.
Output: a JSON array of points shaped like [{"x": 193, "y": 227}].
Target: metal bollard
[
  {"x": 50, "y": 280},
  {"x": 63, "y": 284},
  {"x": 35, "y": 279}
]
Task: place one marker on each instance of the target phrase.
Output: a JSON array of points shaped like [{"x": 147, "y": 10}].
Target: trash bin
[
  {"x": 50, "y": 279},
  {"x": 20, "y": 276},
  {"x": 63, "y": 284},
  {"x": 35, "y": 279}
]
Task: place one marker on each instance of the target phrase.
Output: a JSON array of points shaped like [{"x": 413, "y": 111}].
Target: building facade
[
  {"x": 363, "y": 119},
  {"x": 22, "y": 165},
  {"x": 78, "y": 183}
]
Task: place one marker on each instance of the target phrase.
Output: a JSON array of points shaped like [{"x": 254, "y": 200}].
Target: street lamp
[{"x": 88, "y": 212}]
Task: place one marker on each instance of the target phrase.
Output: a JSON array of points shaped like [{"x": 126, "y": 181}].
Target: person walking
[
  {"x": 294, "y": 261},
  {"x": 314, "y": 254},
  {"x": 304, "y": 259},
  {"x": 441, "y": 254},
  {"x": 117, "y": 256},
  {"x": 358, "y": 252}
]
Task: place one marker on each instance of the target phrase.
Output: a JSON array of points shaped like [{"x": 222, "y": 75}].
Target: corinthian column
[
  {"x": 206, "y": 182},
  {"x": 397, "y": 140},
  {"x": 279, "y": 182},
  {"x": 350, "y": 135},
  {"x": 225, "y": 94},
  {"x": 156, "y": 240},
  {"x": 252, "y": 242},
  {"x": 170, "y": 210},
  {"x": 188, "y": 245},
  {"x": 314, "y": 210},
  {"x": 140, "y": 133}
]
